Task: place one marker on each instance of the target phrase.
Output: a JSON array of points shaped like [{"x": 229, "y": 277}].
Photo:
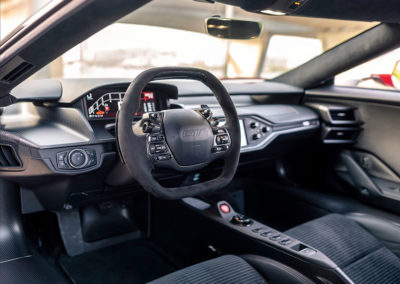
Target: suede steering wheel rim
[{"x": 133, "y": 141}]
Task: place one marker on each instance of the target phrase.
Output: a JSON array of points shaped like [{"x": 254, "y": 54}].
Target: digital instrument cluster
[{"x": 106, "y": 105}]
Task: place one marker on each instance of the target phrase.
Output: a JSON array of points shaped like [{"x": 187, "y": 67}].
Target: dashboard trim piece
[
  {"x": 354, "y": 93},
  {"x": 306, "y": 125}
]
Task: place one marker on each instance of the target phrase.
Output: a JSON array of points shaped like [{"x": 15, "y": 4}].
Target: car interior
[{"x": 195, "y": 172}]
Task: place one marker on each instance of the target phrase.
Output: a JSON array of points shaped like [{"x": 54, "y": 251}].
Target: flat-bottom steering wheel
[{"x": 181, "y": 139}]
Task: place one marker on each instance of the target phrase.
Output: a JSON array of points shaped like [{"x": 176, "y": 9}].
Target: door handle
[{"x": 359, "y": 177}]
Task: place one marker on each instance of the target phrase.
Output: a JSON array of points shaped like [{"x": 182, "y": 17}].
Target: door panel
[{"x": 371, "y": 165}]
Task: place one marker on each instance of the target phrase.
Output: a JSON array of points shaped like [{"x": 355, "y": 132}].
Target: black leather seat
[
  {"x": 359, "y": 254},
  {"x": 235, "y": 270}
]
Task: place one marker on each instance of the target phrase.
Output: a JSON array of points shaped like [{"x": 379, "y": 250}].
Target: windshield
[
  {"x": 14, "y": 12},
  {"x": 172, "y": 33}
]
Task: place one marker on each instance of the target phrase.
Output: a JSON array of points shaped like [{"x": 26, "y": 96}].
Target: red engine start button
[{"x": 224, "y": 208}]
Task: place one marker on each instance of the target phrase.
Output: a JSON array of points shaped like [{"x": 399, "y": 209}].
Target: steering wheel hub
[{"x": 189, "y": 136}]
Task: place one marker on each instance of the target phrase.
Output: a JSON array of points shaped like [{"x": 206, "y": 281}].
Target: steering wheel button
[
  {"x": 160, "y": 147},
  {"x": 156, "y": 129},
  {"x": 163, "y": 157},
  {"x": 225, "y": 139},
  {"x": 153, "y": 116}
]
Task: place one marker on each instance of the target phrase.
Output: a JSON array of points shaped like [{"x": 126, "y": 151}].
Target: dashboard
[{"x": 61, "y": 140}]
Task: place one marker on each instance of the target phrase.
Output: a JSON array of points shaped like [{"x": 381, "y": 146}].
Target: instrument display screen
[{"x": 106, "y": 105}]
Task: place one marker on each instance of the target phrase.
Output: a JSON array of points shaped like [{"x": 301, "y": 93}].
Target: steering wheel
[{"x": 181, "y": 139}]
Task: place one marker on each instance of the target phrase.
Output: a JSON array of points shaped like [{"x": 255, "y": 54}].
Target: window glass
[{"x": 382, "y": 72}]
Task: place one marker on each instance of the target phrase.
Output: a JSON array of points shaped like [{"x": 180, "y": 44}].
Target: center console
[
  {"x": 284, "y": 248},
  {"x": 269, "y": 235}
]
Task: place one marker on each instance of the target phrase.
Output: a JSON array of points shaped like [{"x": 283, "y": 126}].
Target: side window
[
  {"x": 382, "y": 72},
  {"x": 287, "y": 52}
]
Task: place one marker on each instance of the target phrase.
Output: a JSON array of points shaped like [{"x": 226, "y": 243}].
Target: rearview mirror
[{"x": 233, "y": 29}]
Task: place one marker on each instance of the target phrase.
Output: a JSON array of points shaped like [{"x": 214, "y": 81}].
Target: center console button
[
  {"x": 266, "y": 129},
  {"x": 225, "y": 208},
  {"x": 254, "y": 125},
  {"x": 241, "y": 220},
  {"x": 308, "y": 251},
  {"x": 276, "y": 237},
  {"x": 256, "y": 136},
  {"x": 258, "y": 230},
  {"x": 267, "y": 234},
  {"x": 286, "y": 241},
  {"x": 265, "y": 231}
]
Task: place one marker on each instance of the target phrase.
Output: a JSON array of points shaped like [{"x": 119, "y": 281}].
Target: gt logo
[{"x": 192, "y": 132}]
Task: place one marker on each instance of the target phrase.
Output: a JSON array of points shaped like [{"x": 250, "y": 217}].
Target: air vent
[
  {"x": 8, "y": 157},
  {"x": 342, "y": 115},
  {"x": 17, "y": 72},
  {"x": 340, "y": 135}
]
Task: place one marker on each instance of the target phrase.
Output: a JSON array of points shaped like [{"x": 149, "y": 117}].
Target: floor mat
[{"x": 130, "y": 262}]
